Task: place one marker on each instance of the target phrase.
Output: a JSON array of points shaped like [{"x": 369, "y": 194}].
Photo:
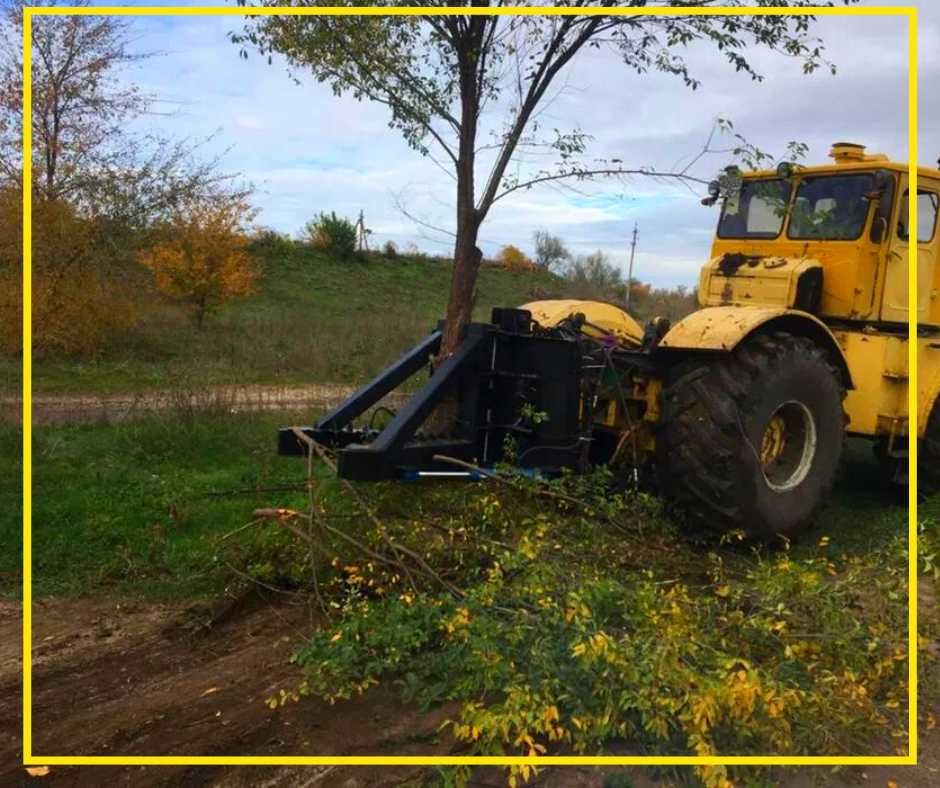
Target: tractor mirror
[{"x": 714, "y": 192}]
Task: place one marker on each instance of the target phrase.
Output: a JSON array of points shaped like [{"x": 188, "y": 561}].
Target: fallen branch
[{"x": 394, "y": 546}]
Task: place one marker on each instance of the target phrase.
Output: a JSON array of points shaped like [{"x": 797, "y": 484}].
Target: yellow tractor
[{"x": 740, "y": 410}]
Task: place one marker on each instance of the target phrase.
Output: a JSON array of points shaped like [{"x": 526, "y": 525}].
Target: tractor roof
[{"x": 850, "y": 157}]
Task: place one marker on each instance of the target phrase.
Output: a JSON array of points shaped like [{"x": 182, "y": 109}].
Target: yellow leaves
[
  {"x": 37, "y": 771},
  {"x": 704, "y": 713},
  {"x": 282, "y": 697},
  {"x": 742, "y": 694},
  {"x": 336, "y": 637},
  {"x": 528, "y": 548},
  {"x": 576, "y": 610},
  {"x": 533, "y": 747},
  {"x": 714, "y": 776},
  {"x": 775, "y": 705},
  {"x": 809, "y": 578},
  {"x": 459, "y": 622},
  {"x": 515, "y": 259},
  {"x": 524, "y": 770},
  {"x": 723, "y": 591},
  {"x": 201, "y": 258},
  {"x": 597, "y": 646}
]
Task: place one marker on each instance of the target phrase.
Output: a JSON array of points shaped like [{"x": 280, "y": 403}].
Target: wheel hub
[{"x": 788, "y": 446}]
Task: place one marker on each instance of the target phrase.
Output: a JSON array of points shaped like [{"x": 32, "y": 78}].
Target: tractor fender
[
  {"x": 723, "y": 328},
  {"x": 601, "y": 318}
]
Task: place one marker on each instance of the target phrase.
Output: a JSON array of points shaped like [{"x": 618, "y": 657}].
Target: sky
[{"x": 307, "y": 151}]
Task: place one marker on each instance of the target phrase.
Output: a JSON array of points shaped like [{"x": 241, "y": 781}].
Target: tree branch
[{"x": 587, "y": 174}]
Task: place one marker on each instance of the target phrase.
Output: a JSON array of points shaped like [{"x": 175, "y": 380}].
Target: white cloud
[{"x": 308, "y": 150}]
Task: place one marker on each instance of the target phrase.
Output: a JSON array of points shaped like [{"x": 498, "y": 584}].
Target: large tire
[{"x": 753, "y": 440}]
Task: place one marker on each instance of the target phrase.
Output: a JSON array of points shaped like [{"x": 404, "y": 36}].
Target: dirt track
[
  {"x": 83, "y": 408},
  {"x": 144, "y": 679},
  {"x": 133, "y": 678}
]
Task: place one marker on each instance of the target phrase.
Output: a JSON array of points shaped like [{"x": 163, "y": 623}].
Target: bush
[
  {"x": 333, "y": 234},
  {"x": 270, "y": 243},
  {"x": 390, "y": 250},
  {"x": 202, "y": 261},
  {"x": 515, "y": 259},
  {"x": 81, "y": 296}
]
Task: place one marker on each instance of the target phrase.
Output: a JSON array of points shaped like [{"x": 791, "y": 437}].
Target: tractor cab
[{"x": 829, "y": 240}]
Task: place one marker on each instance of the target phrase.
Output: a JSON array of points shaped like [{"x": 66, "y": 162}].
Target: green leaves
[{"x": 574, "y": 630}]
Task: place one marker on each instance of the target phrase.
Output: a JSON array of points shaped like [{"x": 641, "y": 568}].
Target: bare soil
[
  {"x": 118, "y": 678},
  {"x": 124, "y": 678},
  {"x": 94, "y": 408}
]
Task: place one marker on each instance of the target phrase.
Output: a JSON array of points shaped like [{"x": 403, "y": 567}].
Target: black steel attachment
[{"x": 517, "y": 393}]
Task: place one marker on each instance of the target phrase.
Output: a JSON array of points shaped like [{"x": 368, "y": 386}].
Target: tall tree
[
  {"x": 439, "y": 74},
  {"x": 79, "y": 104},
  {"x": 100, "y": 190}
]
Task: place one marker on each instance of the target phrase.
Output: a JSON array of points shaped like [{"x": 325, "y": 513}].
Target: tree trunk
[
  {"x": 467, "y": 259},
  {"x": 467, "y": 256}
]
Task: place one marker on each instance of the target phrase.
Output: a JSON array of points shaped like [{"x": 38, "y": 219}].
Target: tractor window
[
  {"x": 927, "y": 203},
  {"x": 831, "y": 208},
  {"x": 756, "y": 211}
]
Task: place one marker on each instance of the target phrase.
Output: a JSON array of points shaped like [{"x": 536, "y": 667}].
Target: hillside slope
[{"x": 313, "y": 320}]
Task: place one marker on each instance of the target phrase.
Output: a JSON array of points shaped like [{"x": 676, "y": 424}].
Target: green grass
[
  {"x": 313, "y": 320},
  {"x": 133, "y": 508}
]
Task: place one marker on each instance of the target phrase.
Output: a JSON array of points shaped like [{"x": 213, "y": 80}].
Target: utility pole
[
  {"x": 636, "y": 232},
  {"x": 362, "y": 234}
]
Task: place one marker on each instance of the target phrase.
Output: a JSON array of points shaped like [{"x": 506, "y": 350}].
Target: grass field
[
  {"x": 138, "y": 508},
  {"x": 313, "y": 320}
]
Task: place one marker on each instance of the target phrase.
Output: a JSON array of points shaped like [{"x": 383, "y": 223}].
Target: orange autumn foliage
[
  {"x": 202, "y": 259},
  {"x": 515, "y": 259},
  {"x": 77, "y": 303}
]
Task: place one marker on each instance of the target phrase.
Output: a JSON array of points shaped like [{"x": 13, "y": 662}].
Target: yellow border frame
[{"x": 290, "y": 760}]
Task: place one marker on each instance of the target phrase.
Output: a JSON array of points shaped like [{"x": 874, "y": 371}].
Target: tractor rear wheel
[{"x": 753, "y": 440}]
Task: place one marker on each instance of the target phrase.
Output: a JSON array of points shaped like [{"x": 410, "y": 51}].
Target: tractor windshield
[
  {"x": 831, "y": 207},
  {"x": 756, "y": 211}
]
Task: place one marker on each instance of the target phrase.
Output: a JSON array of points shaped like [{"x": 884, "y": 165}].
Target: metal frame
[{"x": 498, "y": 369}]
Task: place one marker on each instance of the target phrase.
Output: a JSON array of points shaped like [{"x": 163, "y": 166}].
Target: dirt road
[
  {"x": 134, "y": 678},
  {"x": 83, "y": 408}
]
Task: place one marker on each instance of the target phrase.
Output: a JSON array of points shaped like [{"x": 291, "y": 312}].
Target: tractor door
[{"x": 895, "y": 301}]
